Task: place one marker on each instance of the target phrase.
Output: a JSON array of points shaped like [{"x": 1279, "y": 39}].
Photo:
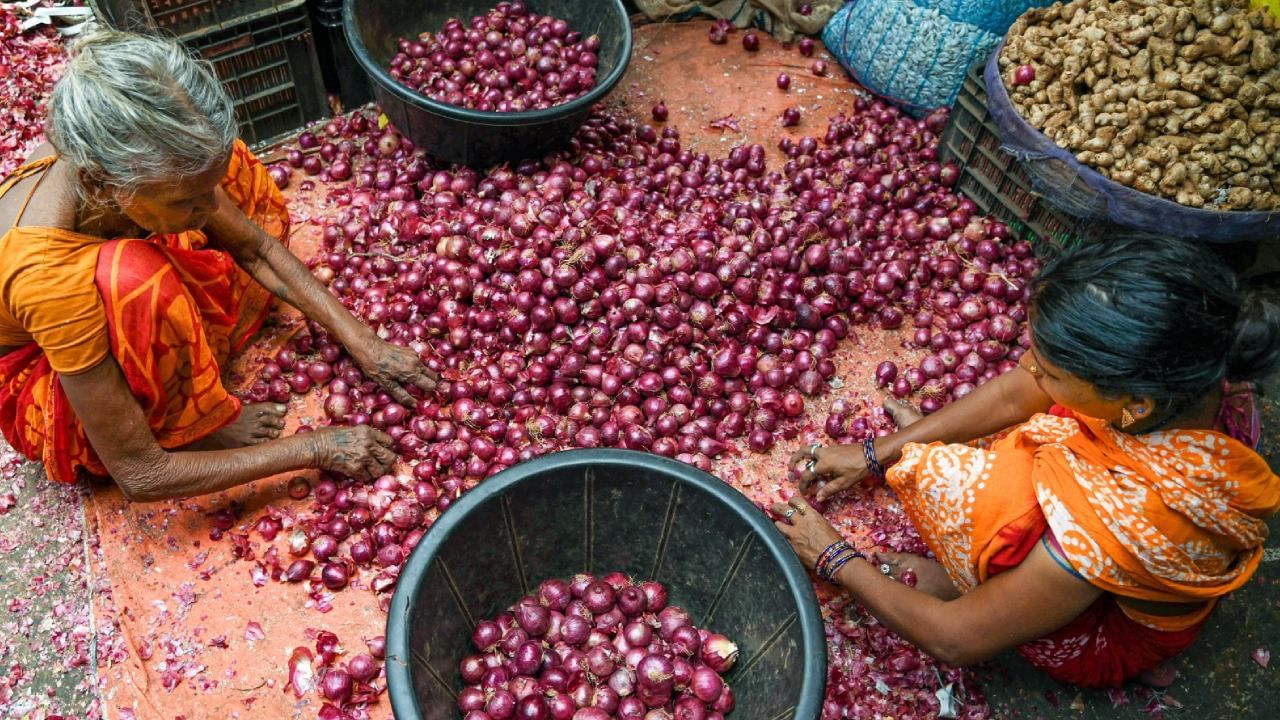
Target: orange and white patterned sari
[{"x": 1173, "y": 517}]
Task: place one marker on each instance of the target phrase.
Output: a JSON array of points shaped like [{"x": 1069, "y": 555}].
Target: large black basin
[
  {"x": 474, "y": 137},
  {"x": 599, "y": 511}
]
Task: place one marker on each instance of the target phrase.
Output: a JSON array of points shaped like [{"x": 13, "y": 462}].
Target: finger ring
[
  {"x": 801, "y": 510},
  {"x": 813, "y": 451},
  {"x": 886, "y": 569},
  {"x": 811, "y": 466},
  {"x": 790, "y": 512}
]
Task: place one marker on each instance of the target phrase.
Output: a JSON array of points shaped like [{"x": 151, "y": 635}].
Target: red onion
[
  {"x": 886, "y": 373},
  {"x": 501, "y": 705},
  {"x": 600, "y": 660},
  {"x": 472, "y": 669},
  {"x": 532, "y": 707},
  {"x": 336, "y": 685},
  {"x": 706, "y": 684},
  {"x": 670, "y": 619},
  {"x": 623, "y": 682},
  {"x": 561, "y": 707},
  {"x": 486, "y": 635},
  {"x": 719, "y": 653},
  {"x": 334, "y": 576},
  {"x": 682, "y": 671},
  {"x": 751, "y": 41},
  {"x": 725, "y": 703},
  {"x": 638, "y": 634},
  {"x": 363, "y": 667},
  {"x": 534, "y": 619},
  {"x": 631, "y": 708},
  {"x": 655, "y": 596},
  {"x": 599, "y": 597},
  {"x": 685, "y": 641},
  {"x": 575, "y": 630},
  {"x": 632, "y": 601},
  {"x": 528, "y": 658},
  {"x": 471, "y": 700},
  {"x": 653, "y": 678},
  {"x": 784, "y": 81},
  {"x": 690, "y": 708},
  {"x": 299, "y": 488},
  {"x": 299, "y": 570},
  {"x": 1024, "y": 75},
  {"x": 404, "y": 514}
]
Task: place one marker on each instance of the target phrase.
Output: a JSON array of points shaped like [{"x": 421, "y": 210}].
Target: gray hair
[{"x": 135, "y": 109}]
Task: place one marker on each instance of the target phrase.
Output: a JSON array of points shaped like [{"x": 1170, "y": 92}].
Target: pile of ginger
[{"x": 1175, "y": 98}]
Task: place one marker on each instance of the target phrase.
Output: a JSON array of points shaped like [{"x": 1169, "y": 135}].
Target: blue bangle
[
  {"x": 873, "y": 464},
  {"x": 832, "y": 550},
  {"x": 834, "y": 567}
]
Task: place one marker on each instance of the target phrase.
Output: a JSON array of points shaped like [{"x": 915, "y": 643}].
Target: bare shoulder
[{"x": 51, "y": 202}]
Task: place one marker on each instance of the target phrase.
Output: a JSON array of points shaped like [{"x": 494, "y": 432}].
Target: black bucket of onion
[
  {"x": 468, "y": 136},
  {"x": 597, "y": 511}
]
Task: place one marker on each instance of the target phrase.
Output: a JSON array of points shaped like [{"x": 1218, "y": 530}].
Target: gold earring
[{"x": 1126, "y": 418}]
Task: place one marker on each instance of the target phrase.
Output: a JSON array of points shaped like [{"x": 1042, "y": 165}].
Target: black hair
[{"x": 1156, "y": 317}]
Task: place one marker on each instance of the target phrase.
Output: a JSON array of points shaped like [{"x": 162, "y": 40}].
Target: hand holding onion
[
  {"x": 808, "y": 531},
  {"x": 395, "y": 368},
  {"x": 843, "y": 466}
]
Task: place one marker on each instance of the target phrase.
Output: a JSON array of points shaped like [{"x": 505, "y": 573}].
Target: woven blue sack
[
  {"x": 1075, "y": 188},
  {"x": 991, "y": 15},
  {"x": 914, "y": 56}
]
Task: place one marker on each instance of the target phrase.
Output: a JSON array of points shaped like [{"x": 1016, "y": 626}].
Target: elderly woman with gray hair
[{"x": 142, "y": 248}]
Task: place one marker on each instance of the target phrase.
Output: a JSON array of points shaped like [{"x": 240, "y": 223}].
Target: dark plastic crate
[
  {"x": 269, "y": 67},
  {"x": 992, "y": 178},
  {"x": 187, "y": 18},
  {"x": 342, "y": 75}
]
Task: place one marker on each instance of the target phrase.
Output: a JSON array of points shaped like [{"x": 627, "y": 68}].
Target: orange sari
[
  {"x": 175, "y": 310},
  {"x": 1173, "y": 517}
]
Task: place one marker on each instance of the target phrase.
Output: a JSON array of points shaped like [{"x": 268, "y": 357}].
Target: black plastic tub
[
  {"x": 599, "y": 511},
  {"x": 474, "y": 137}
]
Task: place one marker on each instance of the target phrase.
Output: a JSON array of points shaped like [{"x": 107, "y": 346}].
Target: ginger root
[{"x": 1179, "y": 98}]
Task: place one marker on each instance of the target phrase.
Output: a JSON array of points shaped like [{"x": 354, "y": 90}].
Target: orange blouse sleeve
[{"x": 60, "y": 306}]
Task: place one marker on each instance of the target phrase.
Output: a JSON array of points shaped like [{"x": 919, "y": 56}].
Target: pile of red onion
[
  {"x": 647, "y": 297},
  {"x": 630, "y": 292},
  {"x": 507, "y": 60},
  {"x": 596, "y": 649},
  {"x": 32, "y": 63}
]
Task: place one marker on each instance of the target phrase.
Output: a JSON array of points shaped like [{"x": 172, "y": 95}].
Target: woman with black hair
[{"x": 1096, "y": 534}]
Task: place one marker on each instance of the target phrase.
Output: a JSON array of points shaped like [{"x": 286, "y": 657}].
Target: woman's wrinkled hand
[
  {"x": 361, "y": 452},
  {"x": 841, "y": 466},
  {"x": 808, "y": 531},
  {"x": 395, "y": 368}
]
